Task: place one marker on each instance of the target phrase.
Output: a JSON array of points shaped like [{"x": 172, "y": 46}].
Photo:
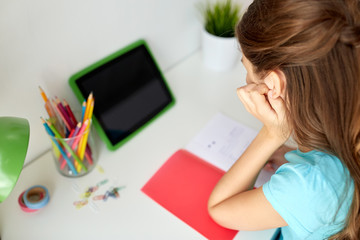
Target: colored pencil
[
  {"x": 50, "y": 109},
  {"x": 69, "y": 111},
  {"x": 79, "y": 129},
  {"x": 62, "y": 118},
  {"x": 63, "y": 163},
  {"x": 84, "y": 134},
  {"x": 83, "y": 144},
  {"x": 83, "y": 141},
  {"x": 43, "y": 95},
  {"x": 88, "y": 107},
  {"x": 65, "y": 113},
  {"x": 61, "y": 115},
  {"x": 83, "y": 109},
  {"x": 91, "y": 109},
  {"x": 88, "y": 104},
  {"x": 82, "y": 129},
  {"x": 51, "y": 133},
  {"x": 67, "y": 147}
]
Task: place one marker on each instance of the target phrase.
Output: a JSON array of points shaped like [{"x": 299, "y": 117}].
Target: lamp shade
[{"x": 14, "y": 140}]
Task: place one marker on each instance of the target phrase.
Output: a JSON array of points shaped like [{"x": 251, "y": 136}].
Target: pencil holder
[{"x": 75, "y": 156}]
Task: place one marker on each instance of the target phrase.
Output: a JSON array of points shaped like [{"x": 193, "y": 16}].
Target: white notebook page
[{"x": 222, "y": 141}]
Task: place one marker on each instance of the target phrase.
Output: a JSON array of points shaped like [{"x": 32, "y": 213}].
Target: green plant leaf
[{"x": 220, "y": 17}]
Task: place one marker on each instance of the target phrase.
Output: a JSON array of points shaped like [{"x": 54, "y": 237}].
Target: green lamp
[{"x": 14, "y": 140}]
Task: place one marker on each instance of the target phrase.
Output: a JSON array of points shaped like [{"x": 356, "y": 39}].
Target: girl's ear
[{"x": 276, "y": 82}]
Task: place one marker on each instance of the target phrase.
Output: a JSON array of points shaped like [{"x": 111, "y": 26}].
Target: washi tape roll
[
  {"x": 36, "y": 197},
  {"x": 22, "y": 204}
]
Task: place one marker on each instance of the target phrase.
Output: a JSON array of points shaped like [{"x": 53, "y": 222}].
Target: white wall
[{"x": 43, "y": 42}]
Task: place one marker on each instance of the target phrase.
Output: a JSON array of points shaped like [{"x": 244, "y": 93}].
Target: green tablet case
[{"x": 73, "y": 81}]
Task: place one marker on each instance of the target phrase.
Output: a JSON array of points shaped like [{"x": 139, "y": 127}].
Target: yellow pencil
[
  {"x": 91, "y": 110},
  {"x": 82, "y": 145},
  {"x": 67, "y": 147},
  {"x": 83, "y": 141},
  {"x": 88, "y": 104}
]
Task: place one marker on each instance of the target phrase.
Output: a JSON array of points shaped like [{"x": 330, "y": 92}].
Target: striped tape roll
[{"x": 34, "y": 198}]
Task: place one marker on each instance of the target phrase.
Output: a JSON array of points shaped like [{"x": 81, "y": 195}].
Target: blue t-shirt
[{"x": 312, "y": 193}]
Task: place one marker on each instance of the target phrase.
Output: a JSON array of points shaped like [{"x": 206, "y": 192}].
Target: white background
[{"x": 44, "y": 42}]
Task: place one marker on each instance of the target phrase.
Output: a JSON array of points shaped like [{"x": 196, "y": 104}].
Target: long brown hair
[{"x": 316, "y": 43}]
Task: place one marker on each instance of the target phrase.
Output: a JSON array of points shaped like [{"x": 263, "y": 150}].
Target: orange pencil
[
  {"x": 50, "y": 110},
  {"x": 43, "y": 95},
  {"x": 48, "y": 107}
]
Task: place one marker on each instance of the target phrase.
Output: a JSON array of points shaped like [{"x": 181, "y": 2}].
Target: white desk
[{"x": 200, "y": 94}]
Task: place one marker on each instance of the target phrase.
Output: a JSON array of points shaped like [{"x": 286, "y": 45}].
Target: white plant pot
[{"x": 219, "y": 54}]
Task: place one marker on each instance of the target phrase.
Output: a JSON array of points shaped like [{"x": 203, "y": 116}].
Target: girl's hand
[{"x": 258, "y": 100}]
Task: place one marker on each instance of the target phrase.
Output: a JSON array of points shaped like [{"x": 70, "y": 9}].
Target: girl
[{"x": 302, "y": 59}]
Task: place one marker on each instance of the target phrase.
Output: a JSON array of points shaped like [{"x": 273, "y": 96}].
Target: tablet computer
[{"x": 129, "y": 90}]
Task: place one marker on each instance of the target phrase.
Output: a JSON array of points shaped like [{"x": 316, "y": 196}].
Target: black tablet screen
[{"x": 128, "y": 91}]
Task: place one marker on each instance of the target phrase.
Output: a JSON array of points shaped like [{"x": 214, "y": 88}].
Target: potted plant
[{"x": 219, "y": 46}]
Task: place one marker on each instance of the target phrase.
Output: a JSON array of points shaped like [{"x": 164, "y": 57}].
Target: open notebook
[{"x": 184, "y": 182}]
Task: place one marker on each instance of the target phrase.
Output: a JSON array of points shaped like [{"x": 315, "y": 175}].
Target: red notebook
[{"x": 183, "y": 186}]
